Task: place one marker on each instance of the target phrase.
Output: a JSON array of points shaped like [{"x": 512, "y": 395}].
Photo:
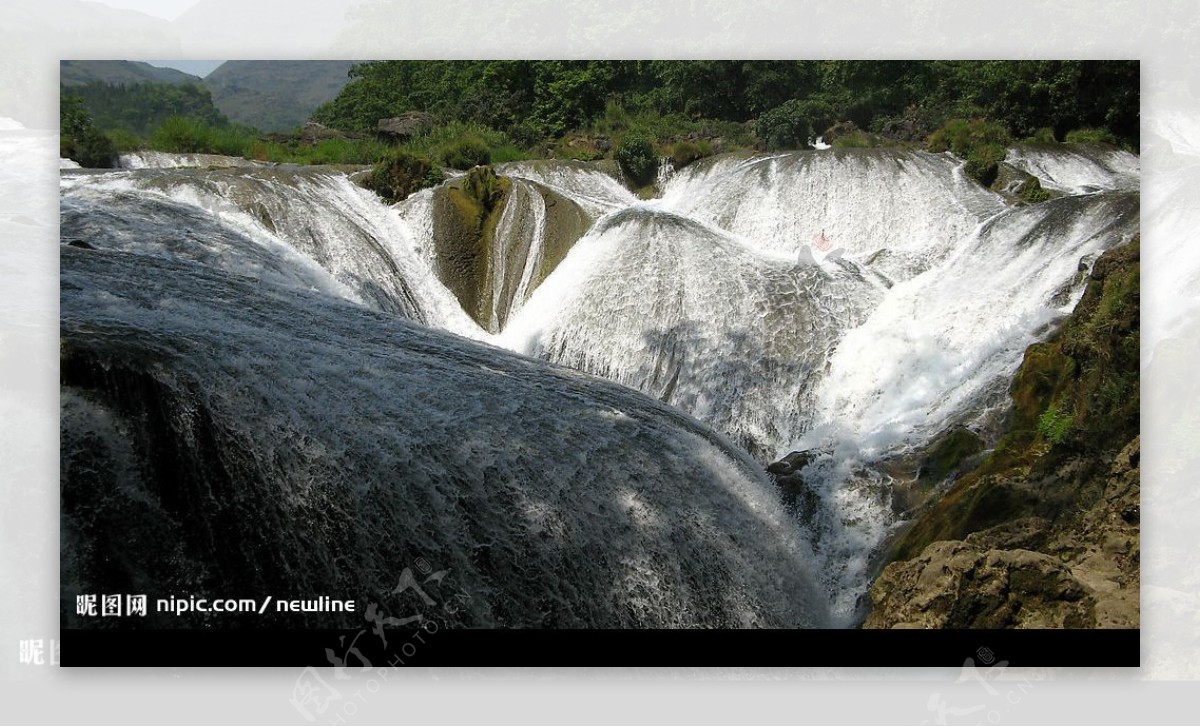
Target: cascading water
[
  {"x": 710, "y": 298},
  {"x": 235, "y": 436},
  {"x": 323, "y": 229},
  {"x": 687, "y": 313},
  {"x": 899, "y": 211},
  {"x": 1078, "y": 169}
]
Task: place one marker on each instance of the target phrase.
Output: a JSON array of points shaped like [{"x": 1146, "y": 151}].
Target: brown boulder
[{"x": 405, "y": 126}]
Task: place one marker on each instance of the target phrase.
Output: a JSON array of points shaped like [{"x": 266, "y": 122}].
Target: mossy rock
[
  {"x": 1087, "y": 377},
  {"x": 467, "y": 211},
  {"x": 400, "y": 175},
  {"x": 947, "y": 453},
  {"x": 566, "y": 222}
]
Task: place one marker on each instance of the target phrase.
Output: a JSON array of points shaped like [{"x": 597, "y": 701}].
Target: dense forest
[
  {"x": 140, "y": 108},
  {"x": 530, "y": 100}
]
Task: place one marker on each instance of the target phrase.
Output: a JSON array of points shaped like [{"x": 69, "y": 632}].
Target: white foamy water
[
  {"x": 333, "y": 446},
  {"x": 164, "y": 160},
  {"x": 709, "y": 299},
  {"x": 321, "y": 221},
  {"x": 900, "y": 210},
  {"x": 1078, "y": 169}
]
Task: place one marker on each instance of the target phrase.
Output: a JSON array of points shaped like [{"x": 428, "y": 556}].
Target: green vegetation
[
  {"x": 81, "y": 73},
  {"x": 685, "y": 152},
  {"x": 1044, "y": 135},
  {"x": 141, "y": 107},
  {"x": 79, "y": 139},
  {"x": 795, "y": 123},
  {"x": 636, "y": 112},
  {"x": 185, "y": 135},
  {"x": 401, "y": 174},
  {"x": 636, "y": 156},
  {"x": 532, "y": 100},
  {"x": 470, "y": 151},
  {"x": 982, "y": 143},
  {"x": 854, "y": 140},
  {"x": 1032, "y": 192},
  {"x": 1091, "y": 136},
  {"x": 1053, "y": 424}
]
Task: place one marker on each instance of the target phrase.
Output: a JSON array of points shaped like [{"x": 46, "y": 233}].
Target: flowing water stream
[{"x": 299, "y": 301}]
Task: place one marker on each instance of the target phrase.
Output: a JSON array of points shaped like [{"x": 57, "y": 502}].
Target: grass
[{"x": 1091, "y": 136}]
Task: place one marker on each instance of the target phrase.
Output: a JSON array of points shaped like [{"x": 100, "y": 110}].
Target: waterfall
[
  {"x": 222, "y": 434},
  {"x": 715, "y": 299},
  {"x": 316, "y": 227},
  {"x": 687, "y": 313},
  {"x": 1078, "y": 169}
]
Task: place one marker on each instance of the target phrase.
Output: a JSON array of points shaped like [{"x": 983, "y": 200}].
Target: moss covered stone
[
  {"x": 950, "y": 450},
  {"x": 467, "y": 211},
  {"x": 1075, "y": 402}
]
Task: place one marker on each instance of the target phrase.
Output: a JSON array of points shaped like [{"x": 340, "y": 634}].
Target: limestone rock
[{"x": 954, "y": 584}]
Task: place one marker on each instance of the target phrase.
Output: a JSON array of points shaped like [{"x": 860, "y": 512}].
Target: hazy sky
[
  {"x": 166, "y": 9},
  {"x": 196, "y": 68}
]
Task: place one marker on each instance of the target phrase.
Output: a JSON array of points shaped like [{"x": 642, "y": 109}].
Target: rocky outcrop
[
  {"x": 1044, "y": 533},
  {"x": 839, "y": 130},
  {"x": 1030, "y": 572},
  {"x": 312, "y": 132},
  {"x": 405, "y": 126},
  {"x": 484, "y": 230},
  {"x": 467, "y": 211},
  {"x": 795, "y": 491}
]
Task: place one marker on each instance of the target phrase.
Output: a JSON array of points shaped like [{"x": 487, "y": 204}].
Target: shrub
[
  {"x": 960, "y": 136},
  {"x": 793, "y": 124},
  {"x": 80, "y": 140},
  {"x": 636, "y": 156},
  {"x": 686, "y": 152},
  {"x": 853, "y": 140},
  {"x": 181, "y": 135},
  {"x": 980, "y": 142},
  {"x": 507, "y": 153},
  {"x": 470, "y": 151},
  {"x": 615, "y": 120},
  {"x": 90, "y": 148},
  {"x": 983, "y": 163},
  {"x": 397, "y": 176},
  {"x": 124, "y": 140},
  {"x": 1091, "y": 136},
  {"x": 228, "y": 141}
]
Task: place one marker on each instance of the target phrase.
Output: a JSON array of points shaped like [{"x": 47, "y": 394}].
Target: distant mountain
[
  {"x": 275, "y": 95},
  {"x": 78, "y": 73}
]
